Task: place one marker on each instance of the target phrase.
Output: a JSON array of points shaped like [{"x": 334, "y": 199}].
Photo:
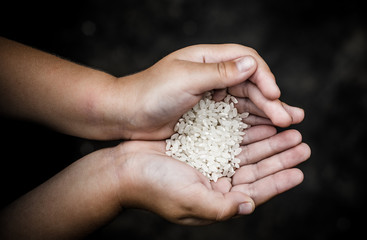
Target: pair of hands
[
  {"x": 162, "y": 93},
  {"x": 144, "y": 107}
]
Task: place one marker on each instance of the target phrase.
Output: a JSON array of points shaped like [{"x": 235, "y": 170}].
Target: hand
[
  {"x": 148, "y": 104},
  {"x": 91, "y": 191},
  {"x": 88, "y": 103},
  {"x": 153, "y": 181}
]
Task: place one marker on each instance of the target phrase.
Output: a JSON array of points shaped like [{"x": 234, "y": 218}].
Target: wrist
[
  {"x": 123, "y": 167},
  {"x": 131, "y": 168},
  {"x": 111, "y": 109}
]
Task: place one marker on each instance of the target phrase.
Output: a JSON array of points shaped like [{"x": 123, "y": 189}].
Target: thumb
[
  {"x": 208, "y": 76},
  {"x": 219, "y": 207}
]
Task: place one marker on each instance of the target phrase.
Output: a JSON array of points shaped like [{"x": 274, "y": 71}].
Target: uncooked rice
[{"x": 208, "y": 137}]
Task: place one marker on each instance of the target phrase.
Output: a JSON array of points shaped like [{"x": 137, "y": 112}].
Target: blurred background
[{"x": 317, "y": 51}]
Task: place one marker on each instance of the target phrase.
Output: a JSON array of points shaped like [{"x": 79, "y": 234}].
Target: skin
[
  {"x": 92, "y": 104},
  {"x": 137, "y": 174},
  {"x": 87, "y": 103}
]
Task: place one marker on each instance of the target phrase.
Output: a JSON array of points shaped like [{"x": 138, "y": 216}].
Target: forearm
[
  {"x": 42, "y": 87},
  {"x": 70, "y": 205}
]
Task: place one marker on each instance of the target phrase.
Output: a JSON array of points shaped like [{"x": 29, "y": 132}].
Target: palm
[{"x": 182, "y": 190}]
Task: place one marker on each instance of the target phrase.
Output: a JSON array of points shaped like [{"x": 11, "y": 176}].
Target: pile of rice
[{"x": 208, "y": 137}]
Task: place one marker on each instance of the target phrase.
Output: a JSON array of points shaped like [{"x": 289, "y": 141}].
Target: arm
[
  {"x": 42, "y": 87},
  {"x": 73, "y": 203}
]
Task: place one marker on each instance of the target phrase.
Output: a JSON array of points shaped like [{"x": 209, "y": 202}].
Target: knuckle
[
  {"x": 244, "y": 155},
  {"x": 251, "y": 191},
  {"x": 222, "y": 214},
  {"x": 227, "y": 72},
  {"x": 222, "y": 71}
]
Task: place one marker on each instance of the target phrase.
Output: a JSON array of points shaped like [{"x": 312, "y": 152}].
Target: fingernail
[
  {"x": 245, "y": 63},
  {"x": 245, "y": 208}
]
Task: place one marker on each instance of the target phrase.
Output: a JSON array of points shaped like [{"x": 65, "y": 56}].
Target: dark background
[{"x": 316, "y": 49}]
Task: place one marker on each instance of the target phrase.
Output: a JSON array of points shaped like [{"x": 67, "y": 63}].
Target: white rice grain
[{"x": 208, "y": 137}]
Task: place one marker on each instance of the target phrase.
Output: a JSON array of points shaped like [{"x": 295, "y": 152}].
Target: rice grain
[{"x": 208, "y": 137}]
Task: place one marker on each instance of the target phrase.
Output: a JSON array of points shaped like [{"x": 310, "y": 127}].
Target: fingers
[
  {"x": 216, "y": 206},
  {"x": 261, "y": 75},
  {"x": 270, "y": 186},
  {"x": 253, "y": 183},
  {"x": 252, "y": 100},
  {"x": 273, "y": 109},
  {"x": 223, "y": 185},
  {"x": 259, "y": 117},
  {"x": 271, "y": 176},
  {"x": 258, "y": 133},
  {"x": 246, "y": 105},
  {"x": 265, "y": 80},
  {"x": 296, "y": 113},
  {"x": 208, "y": 67},
  {"x": 219, "y": 94},
  {"x": 208, "y": 76},
  {"x": 212, "y": 205},
  {"x": 278, "y": 162},
  {"x": 257, "y": 151},
  {"x": 256, "y": 120}
]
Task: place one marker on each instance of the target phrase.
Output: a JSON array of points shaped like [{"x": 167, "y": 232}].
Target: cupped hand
[
  {"x": 151, "y": 180},
  {"x": 147, "y": 105}
]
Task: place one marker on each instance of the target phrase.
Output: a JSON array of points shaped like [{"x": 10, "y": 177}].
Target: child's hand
[
  {"x": 93, "y": 190},
  {"x": 88, "y": 103},
  {"x": 147, "y": 105},
  {"x": 151, "y": 180}
]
